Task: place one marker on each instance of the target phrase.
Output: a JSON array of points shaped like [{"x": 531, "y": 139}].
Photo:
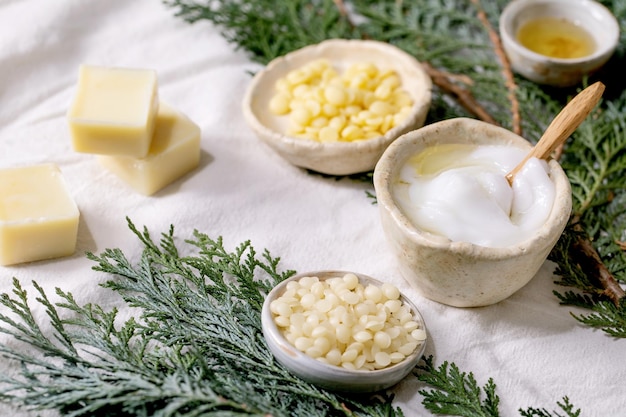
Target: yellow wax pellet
[
  {"x": 392, "y": 80},
  {"x": 383, "y": 92},
  {"x": 301, "y": 115},
  {"x": 337, "y": 122},
  {"x": 335, "y": 95},
  {"x": 364, "y": 102},
  {"x": 319, "y": 122},
  {"x": 279, "y": 104},
  {"x": 329, "y": 134},
  {"x": 282, "y": 85},
  {"x": 298, "y": 76},
  {"x": 401, "y": 99},
  {"x": 334, "y": 356},
  {"x": 329, "y": 110},
  {"x": 380, "y": 108},
  {"x": 382, "y": 359},
  {"x": 358, "y": 81}
]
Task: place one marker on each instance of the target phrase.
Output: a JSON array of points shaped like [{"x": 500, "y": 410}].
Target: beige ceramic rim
[{"x": 338, "y": 158}]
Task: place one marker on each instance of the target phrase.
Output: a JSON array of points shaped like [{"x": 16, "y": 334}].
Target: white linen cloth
[{"x": 535, "y": 351}]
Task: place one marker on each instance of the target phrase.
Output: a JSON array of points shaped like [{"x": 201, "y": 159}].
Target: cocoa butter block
[
  {"x": 38, "y": 217},
  {"x": 113, "y": 111},
  {"x": 175, "y": 150}
]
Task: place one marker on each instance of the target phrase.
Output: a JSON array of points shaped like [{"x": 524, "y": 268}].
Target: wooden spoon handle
[{"x": 563, "y": 125}]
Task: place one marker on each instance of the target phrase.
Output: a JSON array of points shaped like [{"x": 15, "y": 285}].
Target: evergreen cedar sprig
[
  {"x": 194, "y": 348},
  {"x": 460, "y": 49},
  {"x": 454, "y": 393}
]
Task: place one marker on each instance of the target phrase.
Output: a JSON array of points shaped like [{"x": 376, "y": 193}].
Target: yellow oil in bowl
[{"x": 556, "y": 38}]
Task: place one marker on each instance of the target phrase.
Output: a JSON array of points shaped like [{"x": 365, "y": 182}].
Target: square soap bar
[
  {"x": 113, "y": 111},
  {"x": 175, "y": 150},
  {"x": 38, "y": 217}
]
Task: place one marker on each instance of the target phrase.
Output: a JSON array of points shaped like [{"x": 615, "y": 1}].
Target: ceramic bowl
[
  {"x": 335, "y": 158},
  {"x": 590, "y": 15},
  {"x": 458, "y": 273},
  {"x": 328, "y": 376}
]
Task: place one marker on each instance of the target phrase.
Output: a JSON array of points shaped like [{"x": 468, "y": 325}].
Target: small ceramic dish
[
  {"x": 334, "y": 158},
  {"x": 328, "y": 376},
  {"x": 590, "y": 16},
  {"x": 459, "y": 273}
]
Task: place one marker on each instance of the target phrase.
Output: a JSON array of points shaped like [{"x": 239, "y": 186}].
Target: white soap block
[
  {"x": 175, "y": 150},
  {"x": 38, "y": 217},
  {"x": 113, "y": 111}
]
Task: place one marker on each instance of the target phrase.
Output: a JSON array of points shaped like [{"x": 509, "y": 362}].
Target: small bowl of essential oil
[{"x": 558, "y": 42}]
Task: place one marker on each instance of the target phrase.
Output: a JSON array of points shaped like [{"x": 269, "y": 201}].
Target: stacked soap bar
[
  {"x": 117, "y": 115},
  {"x": 174, "y": 151},
  {"x": 38, "y": 217}
]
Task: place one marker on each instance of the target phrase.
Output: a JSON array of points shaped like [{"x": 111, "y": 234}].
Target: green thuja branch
[
  {"x": 565, "y": 406},
  {"x": 589, "y": 256},
  {"x": 456, "y": 393},
  {"x": 194, "y": 346}
]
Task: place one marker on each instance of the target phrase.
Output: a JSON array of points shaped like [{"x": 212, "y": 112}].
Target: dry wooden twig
[
  {"x": 444, "y": 80},
  {"x": 584, "y": 254},
  {"x": 507, "y": 72}
]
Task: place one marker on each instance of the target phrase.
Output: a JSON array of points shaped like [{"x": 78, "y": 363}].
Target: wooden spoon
[{"x": 563, "y": 125}]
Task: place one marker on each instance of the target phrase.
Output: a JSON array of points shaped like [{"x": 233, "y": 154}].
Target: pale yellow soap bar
[
  {"x": 38, "y": 217},
  {"x": 175, "y": 150},
  {"x": 113, "y": 111}
]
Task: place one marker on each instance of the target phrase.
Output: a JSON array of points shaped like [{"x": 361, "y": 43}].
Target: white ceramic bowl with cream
[
  {"x": 334, "y": 158},
  {"x": 459, "y": 273},
  {"x": 589, "y": 15},
  {"x": 328, "y": 376}
]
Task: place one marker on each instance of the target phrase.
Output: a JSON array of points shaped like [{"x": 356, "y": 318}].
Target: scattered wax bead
[
  {"x": 382, "y": 359},
  {"x": 418, "y": 334},
  {"x": 373, "y": 293},
  {"x": 390, "y": 291},
  {"x": 362, "y": 336},
  {"x": 382, "y": 339},
  {"x": 334, "y": 356},
  {"x": 303, "y": 343}
]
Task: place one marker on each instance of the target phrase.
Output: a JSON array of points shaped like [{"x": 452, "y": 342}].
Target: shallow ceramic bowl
[
  {"x": 590, "y": 15},
  {"x": 337, "y": 158},
  {"x": 328, "y": 376},
  {"x": 463, "y": 274}
]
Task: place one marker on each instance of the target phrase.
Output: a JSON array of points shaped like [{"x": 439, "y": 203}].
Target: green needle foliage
[
  {"x": 456, "y": 37},
  {"x": 455, "y": 393},
  {"x": 195, "y": 347}
]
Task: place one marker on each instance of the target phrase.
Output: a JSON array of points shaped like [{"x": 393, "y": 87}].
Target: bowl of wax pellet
[
  {"x": 335, "y": 106},
  {"x": 558, "y": 42},
  {"x": 343, "y": 331}
]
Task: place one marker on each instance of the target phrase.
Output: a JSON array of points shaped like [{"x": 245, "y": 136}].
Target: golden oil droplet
[{"x": 556, "y": 38}]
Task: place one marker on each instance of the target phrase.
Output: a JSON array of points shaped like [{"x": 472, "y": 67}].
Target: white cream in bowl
[
  {"x": 460, "y": 192},
  {"x": 454, "y": 270}
]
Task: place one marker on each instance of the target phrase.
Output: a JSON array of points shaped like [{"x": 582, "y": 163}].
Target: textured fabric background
[{"x": 530, "y": 345}]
